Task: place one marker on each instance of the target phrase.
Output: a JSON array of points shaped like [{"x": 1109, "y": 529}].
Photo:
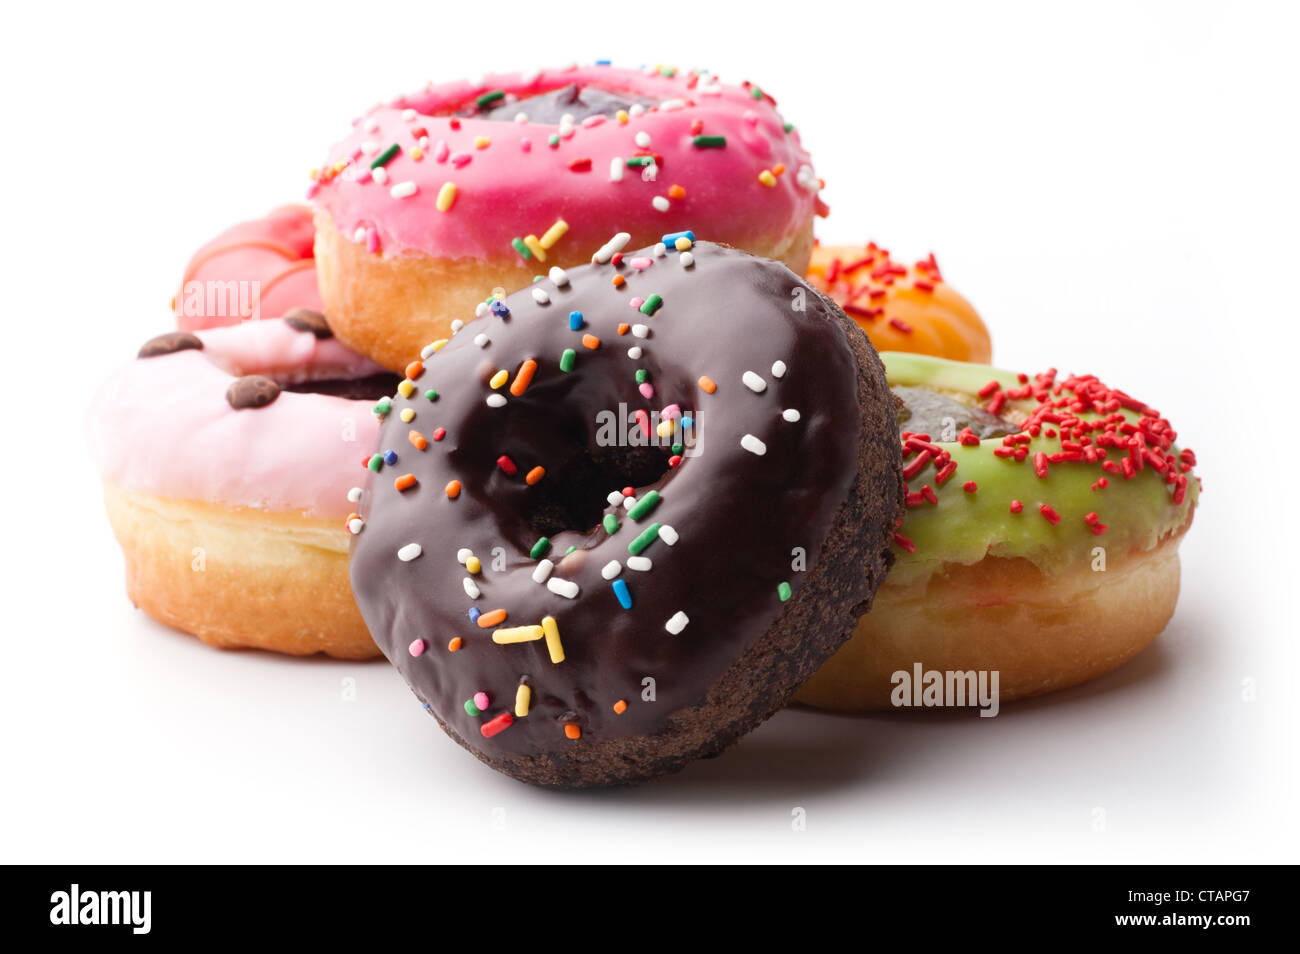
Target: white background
[{"x": 1114, "y": 186}]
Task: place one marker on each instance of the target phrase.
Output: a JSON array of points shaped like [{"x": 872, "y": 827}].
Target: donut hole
[{"x": 573, "y": 497}]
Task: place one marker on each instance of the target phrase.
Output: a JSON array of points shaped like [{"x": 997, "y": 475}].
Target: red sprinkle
[
  {"x": 1017, "y": 506},
  {"x": 905, "y": 543},
  {"x": 507, "y": 465},
  {"x": 495, "y": 726},
  {"x": 1052, "y": 516},
  {"x": 580, "y": 165},
  {"x": 970, "y": 486}
]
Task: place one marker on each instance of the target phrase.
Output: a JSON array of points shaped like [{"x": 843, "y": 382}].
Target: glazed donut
[
  {"x": 262, "y": 268},
  {"x": 226, "y": 457},
  {"x": 901, "y": 308},
  {"x": 647, "y": 499},
  {"x": 464, "y": 186},
  {"x": 1040, "y": 539}
]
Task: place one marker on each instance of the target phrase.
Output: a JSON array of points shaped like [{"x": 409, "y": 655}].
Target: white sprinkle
[
  {"x": 542, "y": 570},
  {"x": 636, "y": 110},
  {"x": 359, "y": 235},
  {"x": 355, "y": 525},
  {"x": 642, "y": 139},
  {"x": 639, "y": 563},
  {"x": 409, "y": 552},
  {"x": 668, "y": 535},
  {"x": 496, "y": 400},
  {"x": 615, "y": 497},
  {"x": 558, "y": 276},
  {"x": 668, "y": 105},
  {"x": 629, "y": 503},
  {"x": 778, "y": 369},
  {"x": 521, "y": 117},
  {"x": 754, "y": 382},
  {"x": 634, "y": 352},
  {"x": 480, "y": 309},
  {"x": 790, "y": 414},
  {"x": 409, "y": 115},
  {"x": 404, "y": 190},
  {"x": 677, "y": 622},
  {"x": 753, "y": 445},
  {"x": 380, "y": 175},
  {"x": 482, "y": 340},
  {"x": 456, "y": 325},
  {"x": 370, "y": 147},
  {"x": 660, "y": 203},
  {"x": 640, "y": 331},
  {"x": 463, "y": 554},
  {"x": 616, "y": 244},
  {"x": 611, "y": 569},
  {"x": 354, "y": 494},
  {"x": 471, "y": 588},
  {"x": 427, "y": 351},
  {"x": 687, "y": 259},
  {"x": 616, "y": 170},
  {"x": 540, "y": 296},
  {"x": 661, "y": 250},
  {"x": 566, "y": 588}
]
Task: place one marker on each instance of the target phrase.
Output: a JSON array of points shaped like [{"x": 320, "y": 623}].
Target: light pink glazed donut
[
  {"x": 256, "y": 269},
  {"x": 227, "y": 458},
  {"x": 443, "y": 195}
]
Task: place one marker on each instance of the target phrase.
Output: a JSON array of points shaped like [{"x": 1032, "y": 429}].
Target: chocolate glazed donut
[{"x": 618, "y": 520}]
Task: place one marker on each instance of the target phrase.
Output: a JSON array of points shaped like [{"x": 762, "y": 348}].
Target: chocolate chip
[
  {"x": 304, "y": 319},
  {"x": 252, "y": 390},
  {"x": 169, "y": 343}
]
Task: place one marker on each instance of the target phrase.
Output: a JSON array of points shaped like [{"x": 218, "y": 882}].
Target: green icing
[{"x": 965, "y": 527}]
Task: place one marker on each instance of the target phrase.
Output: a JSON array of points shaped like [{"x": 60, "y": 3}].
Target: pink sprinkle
[
  {"x": 593, "y": 121},
  {"x": 647, "y": 390},
  {"x": 526, "y": 144},
  {"x": 363, "y": 175},
  {"x": 482, "y": 701},
  {"x": 636, "y": 302},
  {"x": 671, "y": 413},
  {"x": 356, "y": 154},
  {"x": 751, "y": 117},
  {"x": 417, "y": 647},
  {"x": 459, "y": 159},
  {"x": 441, "y": 151},
  {"x": 641, "y": 262},
  {"x": 372, "y": 240},
  {"x": 312, "y": 190}
]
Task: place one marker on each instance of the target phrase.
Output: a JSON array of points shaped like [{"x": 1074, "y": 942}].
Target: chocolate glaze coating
[
  {"x": 308, "y": 319},
  {"x": 169, "y": 343},
  {"x": 926, "y": 411},
  {"x": 251, "y": 391},
  {"x": 573, "y": 100},
  {"x": 824, "y": 497}
]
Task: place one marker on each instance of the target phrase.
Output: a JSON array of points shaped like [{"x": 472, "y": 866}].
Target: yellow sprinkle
[
  {"x": 315, "y": 174},
  {"x": 482, "y": 142},
  {"x": 437, "y": 345},
  {"x": 417, "y": 153},
  {"x": 406, "y": 388},
  {"x": 446, "y": 196},
  {"x": 523, "y": 696},
  {"x": 499, "y": 379},
  {"x": 473, "y": 564},
  {"x": 517, "y": 634},
  {"x": 665, "y": 429},
  {"x": 535, "y": 247},
  {"x": 767, "y": 178},
  {"x": 683, "y": 244},
  {"x": 407, "y": 415},
  {"x": 552, "y": 633},
  {"x": 554, "y": 233},
  {"x": 621, "y": 116}
]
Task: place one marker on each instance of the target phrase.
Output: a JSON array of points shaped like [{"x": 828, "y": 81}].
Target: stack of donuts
[{"x": 550, "y": 397}]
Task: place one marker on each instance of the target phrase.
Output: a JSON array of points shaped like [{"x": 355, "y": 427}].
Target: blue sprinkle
[
  {"x": 603, "y": 62},
  {"x": 671, "y": 238},
  {"x": 623, "y": 593},
  {"x": 390, "y": 458},
  {"x": 474, "y": 614},
  {"x": 687, "y": 422},
  {"x": 575, "y": 320},
  {"x": 499, "y": 309}
]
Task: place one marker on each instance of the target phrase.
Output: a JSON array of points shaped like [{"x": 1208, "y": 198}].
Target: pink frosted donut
[
  {"x": 256, "y": 269},
  {"x": 227, "y": 457},
  {"x": 443, "y": 195}
]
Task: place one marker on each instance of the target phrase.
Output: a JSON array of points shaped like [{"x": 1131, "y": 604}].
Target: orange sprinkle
[
  {"x": 523, "y": 377},
  {"x": 620, "y": 707},
  {"x": 454, "y": 644},
  {"x": 352, "y": 516},
  {"x": 453, "y": 489},
  {"x": 778, "y": 169},
  {"x": 404, "y": 482},
  {"x": 619, "y": 281},
  {"x": 417, "y": 440},
  {"x": 590, "y": 341},
  {"x": 491, "y": 618},
  {"x": 534, "y": 475},
  {"x": 676, "y": 192},
  {"x": 573, "y": 731},
  {"x": 707, "y": 384},
  {"x": 623, "y": 327},
  {"x": 414, "y": 369}
]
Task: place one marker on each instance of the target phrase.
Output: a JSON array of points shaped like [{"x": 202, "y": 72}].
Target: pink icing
[
  {"x": 273, "y": 259},
  {"x": 518, "y": 185},
  {"x": 162, "y": 425}
]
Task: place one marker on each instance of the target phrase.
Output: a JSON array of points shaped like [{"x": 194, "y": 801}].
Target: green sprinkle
[
  {"x": 651, "y": 305},
  {"x": 471, "y": 708},
  {"x": 375, "y": 462},
  {"x": 385, "y": 157},
  {"x": 644, "y": 539},
  {"x": 644, "y": 505},
  {"x": 384, "y": 406},
  {"x": 783, "y": 590},
  {"x": 571, "y": 549},
  {"x": 568, "y": 359},
  {"x": 611, "y": 524},
  {"x": 788, "y": 127},
  {"x": 710, "y": 142},
  {"x": 642, "y": 375},
  {"x": 636, "y": 162},
  {"x": 518, "y": 245},
  {"x": 553, "y": 140},
  {"x": 487, "y": 99},
  {"x": 678, "y": 448},
  {"x": 756, "y": 92},
  {"x": 541, "y": 546},
  {"x": 431, "y": 394}
]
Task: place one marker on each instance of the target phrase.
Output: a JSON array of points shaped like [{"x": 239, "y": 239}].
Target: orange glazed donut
[{"x": 900, "y": 308}]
